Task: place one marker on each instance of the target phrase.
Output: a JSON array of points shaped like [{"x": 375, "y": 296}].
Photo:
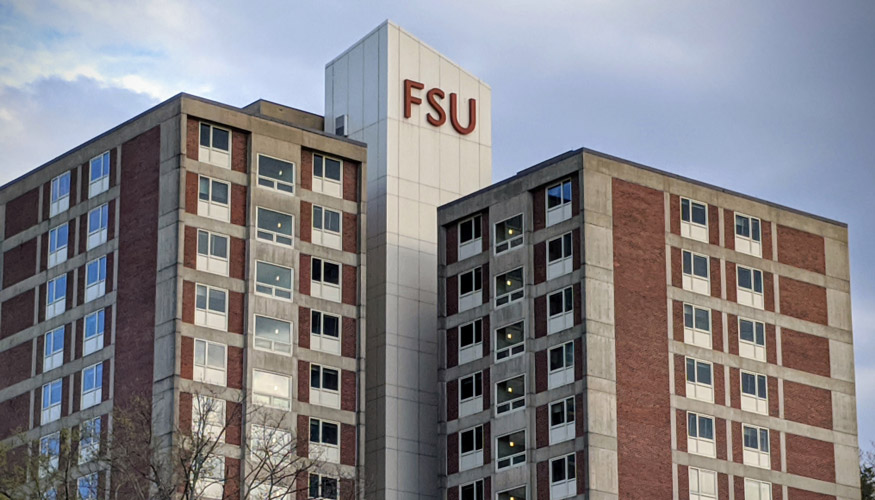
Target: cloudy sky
[{"x": 774, "y": 99}]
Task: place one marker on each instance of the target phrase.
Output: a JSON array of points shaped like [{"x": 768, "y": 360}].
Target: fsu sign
[{"x": 434, "y": 97}]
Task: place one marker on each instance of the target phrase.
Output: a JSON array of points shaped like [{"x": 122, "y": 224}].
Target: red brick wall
[
  {"x": 306, "y": 169},
  {"x": 775, "y": 449},
  {"x": 486, "y": 281},
  {"x": 16, "y": 314},
  {"x": 735, "y": 387},
  {"x": 23, "y": 212},
  {"x": 238, "y": 205},
  {"x": 771, "y": 345},
  {"x": 542, "y": 426},
  {"x": 232, "y": 478},
  {"x": 13, "y": 413},
  {"x": 543, "y": 481},
  {"x": 186, "y": 357},
  {"x": 235, "y": 312},
  {"x": 350, "y": 232},
  {"x": 185, "y": 415},
  {"x": 578, "y": 416},
  {"x": 680, "y": 375},
  {"x": 189, "y": 247},
  {"x": 729, "y": 228},
  {"x": 305, "y": 226},
  {"x": 347, "y": 390},
  {"x": 188, "y": 293},
  {"x": 801, "y": 249},
  {"x": 191, "y": 192},
  {"x": 541, "y": 371},
  {"x": 731, "y": 282},
  {"x": 737, "y": 443},
  {"x": 15, "y": 363},
  {"x": 769, "y": 291},
  {"x": 349, "y": 337},
  {"x": 682, "y": 429},
  {"x": 452, "y": 400},
  {"x": 452, "y": 243},
  {"x": 643, "y": 404},
  {"x": 350, "y": 180},
  {"x": 485, "y": 231},
  {"x": 810, "y": 458},
  {"x": 716, "y": 330},
  {"x": 677, "y": 267},
  {"x": 578, "y": 304},
  {"x": 235, "y": 367},
  {"x": 797, "y": 494},
  {"x": 767, "y": 239},
  {"x": 192, "y": 138},
  {"x": 805, "y": 352},
  {"x": 803, "y": 300},
  {"x": 774, "y": 406},
  {"x": 540, "y": 316},
  {"x": 237, "y": 263},
  {"x": 233, "y": 422},
  {"x": 19, "y": 263},
  {"x": 453, "y": 453},
  {"x": 348, "y": 287},
  {"x": 303, "y": 381},
  {"x": 678, "y": 320},
  {"x": 304, "y": 327},
  {"x": 719, "y": 385},
  {"x": 675, "y": 213},
  {"x": 540, "y": 262},
  {"x": 539, "y": 208},
  {"x": 486, "y": 387},
  {"x": 452, "y": 295},
  {"x": 303, "y": 436},
  {"x": 304, "y": 275},
  {"x": 487, "y": 440},
  {"x": 452, "y": 347},
  {"x": 713, "y": 225},
  {"x": 807, "y": 405},
  {"x": 715, "y": 277},
  {"x": 239, "y": 150},
  {"x": 487, "y": 336}
]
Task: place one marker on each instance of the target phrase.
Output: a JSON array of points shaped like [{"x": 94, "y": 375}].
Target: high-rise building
[{"x": 609, "y": 330}]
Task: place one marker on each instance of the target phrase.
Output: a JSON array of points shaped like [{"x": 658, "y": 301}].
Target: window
[
  {"x": 747, "y": 235},
  {"x": 95, "y": 279},
  {"x": 510, "y": 395},
  {"x": 50, "y": 452},
  {"x": 470, "y": 289},
  {"x": 87, "y": 487},
  {"x": 696, "y": 273},
  {"x": 58, "y": 239},
  {"x": 324, "y": 386},
  {"x": 89, "y": 440},
  {"x": 509, "y": 341},
  {"x": 98, "y": 222},
  {"x": 471, "y": 394},
  {"x": 208, "y": 417},
  {"x": 273, "y": 280},
  {"x": 210, "y": 482},
  {"x": 509, "y": 287},
  {"x": 215, "y": 146},
  {"x": 325, "y": 280},
  {"x": 511, "y": 449},
  {"x": 509, "y": 234},
  {"x": 60, "y": 196},
  {"x": 273, "y": 335},
  {"x": 562, "y": 419},
  {"x": 559, "y": 260},
  {"x": 213, "y": 199},
  {"x": 53, "y": 355},
  {"x": 754, "y": 393},
  {"x": 756, "y": 446},
  {"x": 470, "y": 237},
  {"x": 210, "y": 361},
  {"x": 751, "y": 339},
  {"x": 322, "y": 487},
  {"x": 269, "y": 447},
  {"x": 326, "y": 227},
  {"x": 563, "y": 475},
  {"x": 270, "y": 389},
  {"x": 51, "y": 407},
  {"x": 694, "y": 220},
  {"x": 98, "y": 178},
  {"x": 518, "y": 493},
  {"x": 211, "y": 307},
  {"x": 92, "y": 385},
  {"x": 212, "y": 252},
  {"x": 560, "y": 310},
  {"x": 472, "y": 491},
  {"x": 757, "y": 490},
  {"x": 561, "y": 365},
  {"x": 324, "y": 332},
  {"x": 700, "y": 434},
  {"x": 558, "y": 203},
  {"x": 275, "y": 227},
  {"x": 470, "y": 341},
  {"x": 276, "y": 174},
  {"x": 471, "y": 448},
  {"x": 324, "y": 443},
  {"x": 56, "y": 296},
  {"x": 703, "y": 484},
  {"x": 697, "y": 326},
  {"x": 326, "y": 175},
  {"x": 700, "y": 383},
  {"x": 750, "y": 287}
]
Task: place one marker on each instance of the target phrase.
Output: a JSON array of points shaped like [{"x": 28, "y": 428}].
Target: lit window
[
  {"x": 509, "y": 287},
  {"x": 53, "y": 356},
  {"x": 324, "y": 441},
  {"x": 470, "y": 289},
  {"x": 509, "y": 234},
  {"x": 561, "y": 369},
  {"x": 511, "y": 449},
  {"x": 89, "y": 440},
  {"x": 325, "y": 280},
  {"x": 559, "y": 260},
  {"x": 208, "y": 418},
  {"x": 560, "y": 310},
  {"x": 214, "y": 199},
  {"x": 273, "y": 335},
  {"x": 87, "y": 487},
  {"x": 697, "y": 326},
  {"x": 269, "y": 446},
  {"x": 212, "y": 252},
  {"x": 471, "y": 394},
  {"x": 700, "y": 434},
  {"x": 470, "y": 237},
  {"x": 757, "y": 490},
  {"x": 470, "y": 341},
  {"x": 60, "y": 196},
  {"x": 322, "y": 487},
  {"x": 58, "y": 240},
  {"x": 510, "y": 395},
  {"x": 51, "y": 405},
  {"x": 56, "y": 296},
  {"x": 518, "y": 493},
  {"x": 752, "y": 339},
  {"x": 92, "y": 385},
  {"x": 273, "y": 280},
  {"x": 210, "y": 483},
  {"x": 562, "y": 419},
  {"x": 95, "y": 279},
  {"x": 703, "y": 484},
  {"x": 209, "y": 362},
  {"x": 747, "y": 235},
  {"x": 98, "y": 222},
  {"x": 756, "y": 446},
  {"x": 472, "y": 491},
  {"x": 50, "y": 452},
  {"x": 275, "y": 227},
  {"x": 98, "y": 178},
  {"x": 509, "y": 341},
  {"x": 271, "y": 389},
  {"x": 563, "y": 477},
  {"x": 326, "y": 175},
  {"x": 700, "y": 383},
  {"x": 754, "y": 393},
  {"x": 276, "y": 174},
  {"x": 211, "y": 307},
  {"x": 695, "y": 273},
  {"x": 215, "y": 146},
  {"x": 324, "y": 332},
  {"x": 324, "y": 386},
  {"x": 750, "y": 287},
  {"x": 326, "y": 227},
  {"x": 558, "y": 203},
  {"x": 694, "y": 220},
  {"x": 471, "y": 448}
]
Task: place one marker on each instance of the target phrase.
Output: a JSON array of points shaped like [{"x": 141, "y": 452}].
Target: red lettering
[
  {"x": 409, "y": 99},
  {"x": 433, "y": 95},
  {"x": 454, "y": 115}
]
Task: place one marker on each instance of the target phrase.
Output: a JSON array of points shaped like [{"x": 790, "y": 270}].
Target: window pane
[
  {"x": 205, "y": 135},
  {"x": 317, "y": 217},
  {"x": 744, "y": 280},
  {"x": 332, "y": 169},
  {"x": 201, "y": 297},
  {"x": 203, "y": 240},
  {"x": 554, "y": 250},
  {"x": 317, "y": 165},
  {"x": 332, "y": 221},
  {"x": 703, "y": 319},
  {"x": 688, "y": 263},
  {"x": 555, "y": 304},
  {"x": 272, "y": 275},
  {"x": 566, "y": 191},
  {"x": 316, "y": 269},
  {"x": 556, "y": 358},
  {"x": 755, "y": 229},
  {"x": 220, "y": 139},
  {"x": 704, "y": 373},
  {"x": 329, "y": 379},
  {"x": 706, "y": 428},
  {"x": 217, "y": 300},
  {"x": 274, "y": 221},
  {"x": 691, "y": 370},
  {"x": 220, "y": 193},
  {"x": 273, "y": 329},
  {"x": 758, "y": 281},
  {"x": 509, "y": 228},
  {"x": 276, "y": 169},
  {"x": 315, "y": 429},
  {"x": 216, "y": 355},
  {"x": 467, "y": 283},
  {"x": 569, "y": 299},
  {"x": 204, "y": 189},
  {"x": 748, "y": 384},
  {"x": 742, "y": 226},
  {"x": 699, "y": 216},
  {"x": 509, "y": 335},
  {"x": 761, "y": 386},
  {"x": 760, "y": 334},
  {"x": 331, "y": 273},
  {"x": 554, "y": 196},
  {"x": 557, "y": 414},
  {"x": 692, "y": 425},
  {"x": 569, "y": 355},
  {"x": 557, "y": 470},
  {"x": 315, "y": 376},
  {"x": 329, "y": 433},
  {"x": 746, "y": 330},
  {"x": 764, "y": 440},
  {"x": 330, "y": 325},
  {"x": 685, "y": 210},
  {"x": 466, "y": 231},
  {"x": 220, "y": 246},
  {"x": 750, "y": 438},
  {"x": 200, "y": 352},
  {"x": 700, "y": 266},
  {"x": 688, "y": 316}
]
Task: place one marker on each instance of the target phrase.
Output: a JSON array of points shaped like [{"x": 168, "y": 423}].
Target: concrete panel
[
  {"x": 597, "y": 192},
  {"x": 837, "y": 264},
  {"x": 841, "y": 360},
  {"x": 598, "y": 246},
  {"x": 600, "y": 357},
  {"x": 601, "y": 413},
  {"x": 847, "y": 462},
  {"x": 603, "y": 471},
  {"x": 838, "y": 306},
  {"x": 599, "y": 298},
  {"x": 844, "y": 412}
]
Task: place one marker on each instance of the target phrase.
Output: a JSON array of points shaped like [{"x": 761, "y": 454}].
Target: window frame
[
  {"x": 274, "y": 237},
  {"x": 274, "y": 291},
  {"x": 566, "y": 371},
  {"x": 224, "y": 209},
  {"x": 568, "y": 481},
  {"x": 754, "y": 402},
  {"x": 262, "y": 179},
  {"x": 478, "y": 433},
  {"x": 211, "y": 149},
  {"x": 96, "y": 373},
  {"x": 512, "y": 493},
  {"x": 517, "y": 403},
  {"x": 59, "y": 202},
  {"x": 206, "y": 368},
  {"x": 321, "y": 234},
  {"x": 473, "y": 350},
  {"x": 319, "y": 340},
  {"x": 320, "y": 485},
  {"x": 564, "y": 264},
  {"x": 98, "y": 235},
  {"x": 207, "y": 313},
  {"x": 695, "y": 386},
  {"x": 513, "y": 295},
  {"x": 753, "y": 349},
  {"x": 100, "y": 184},
  {"x": 692, "y": 281},
  {"x": 209, "y": 412},
  {"x": 319, "y": 394},
  {"x": 50, "y": 448},
  {"x": 59, "y": 254},
  {"x": 514, "y": 350},
  {"x": 270, "y": 347},
  {"x": 764, "y": 489},
  {"x": 259, "y": 397},
  {"x": 468, "y": 300},
  {"x": 762, "y": 451},
  {"x": 564, "y": 204},
  {"x": 476, "y": 488},
  {"x": 477, "y": 387},
  {"x": 320, "y": 288},
  {"x": 751, "y": 297},
  {"x": 97, "y": 288},
  {"x": 695, "y": 475},
  {"x": 220, "y": 265},
  {"x": 693, "y": 334},
  {"x": 89, "y": 439},
  {"x": 92, "y": 484},
  {"x": 565, "y": 430},
  {"x": 55, "y": 358},
  {"x": 325, "y": 170},
  {"x": 694, "y": 435},
  {"x": 753, "y": 243},
  {"x": 515, "y": 459},
  {"x": 56, "y": 304},
  {"x": 564, "y": 319},
  {"x": 52, "y": 411},
  {"x": 476, "y": 222},
  {"x": 512, "y": 242},
  {"x": 690, "y": 228}
]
